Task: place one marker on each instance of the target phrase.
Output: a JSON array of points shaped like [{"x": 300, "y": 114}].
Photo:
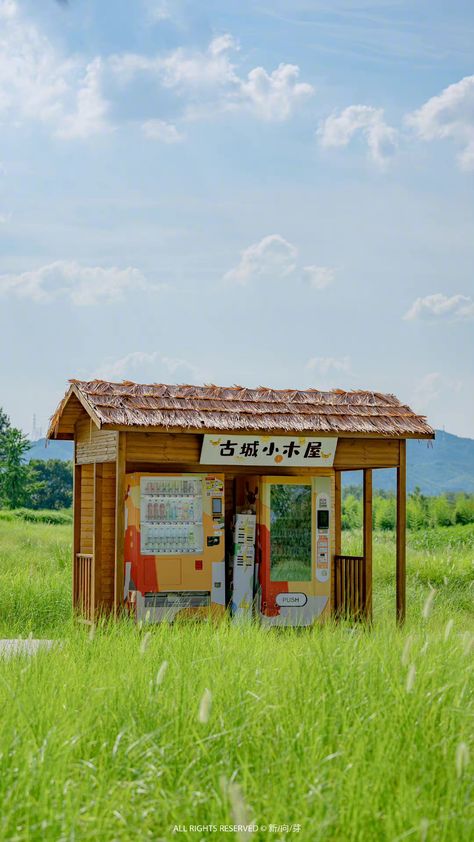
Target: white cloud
[
  {"x": 273, "y": 258},
  {"x": 439, "y": 306},
  {"x": 319, "y": 277},
  {"x": 90, "y": 115},
  {"x": 449, "y": 115},
  {"x": 323, "y": 365},
  {"x": 208, "y": 80},
  {"x": 83, "y": 285},
  {"x": 273, "y": 96},
  {"x": 82, "y": 97},
  {"x": 148, "y": 367},
  {"x": 339, "y": 129},
  {"x": 162, "y": 131},
  {"x": 33, "y": 78}
]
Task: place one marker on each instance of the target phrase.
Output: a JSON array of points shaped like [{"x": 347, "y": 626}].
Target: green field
[{"x": 122, "y": 733}]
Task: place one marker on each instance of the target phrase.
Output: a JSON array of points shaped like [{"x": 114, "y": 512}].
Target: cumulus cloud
[
  {"x": 273, "y": 258},
  {"x": 339, "y": 129},
  {"x": 83, "y": 97},
  {"x": 148, "y": 366},
  {"x": 33, "y": 79},
  {"x": 90, "y": 115},
  {"x": 438, "y": 306},
  {"x": 82, "y": 285},
  {"x": 319, "y": 277},
  {"x": 162, "y": 131},
  {"x": 449, "y": 115},
  {"x": 273, "y": 96},
  {"x": 323, "y": 365}
]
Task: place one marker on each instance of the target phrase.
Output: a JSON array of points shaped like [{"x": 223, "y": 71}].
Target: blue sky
[{"x": 274, "y": 193}]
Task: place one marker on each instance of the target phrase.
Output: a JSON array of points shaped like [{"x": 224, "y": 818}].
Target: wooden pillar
[
  {"x": 97, "y": 539},
  {"x": 401, "y": 533},
  {"x": 76, "y": 541},
  {"x": 367, "y": 534},
  {"x": 337, "y": 533},
  {"x": 119, "y": 521}
]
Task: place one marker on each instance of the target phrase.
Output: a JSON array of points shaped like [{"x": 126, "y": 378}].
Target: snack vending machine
[
  {"x": 174, "y": 545},
  {"x": 297, "y": 542},
  {"x": 243, "y": 567}
]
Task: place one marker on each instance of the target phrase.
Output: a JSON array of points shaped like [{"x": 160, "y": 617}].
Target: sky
[{"x": 258, "y": 193}]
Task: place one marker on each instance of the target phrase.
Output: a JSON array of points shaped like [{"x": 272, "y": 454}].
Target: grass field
[{"x": 340, "y": 733}]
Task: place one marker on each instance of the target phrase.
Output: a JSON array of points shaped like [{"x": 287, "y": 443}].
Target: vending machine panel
[
  {"x": 174, "y": 544},
  {"x": 296, "y": 539}
]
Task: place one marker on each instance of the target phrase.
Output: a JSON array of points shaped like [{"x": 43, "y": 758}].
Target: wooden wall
[
  {"x": 94, "y": 445},
  {"x": 87, "y": 509},
  {"x": 175, "y": 451}
]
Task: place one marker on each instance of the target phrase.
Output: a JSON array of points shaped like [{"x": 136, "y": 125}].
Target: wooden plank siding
[
  {"x": 86, "y": 532},
  {"x": 401, "y": 536},
  {"x": 184, "y": 449},
  {"x": 94, "y": 445},
  {"x": 120, "y": 469},
  {"x": 105, "y": 575}
]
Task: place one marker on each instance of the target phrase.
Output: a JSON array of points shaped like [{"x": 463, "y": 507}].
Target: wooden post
[
  {"x": 337, "y": 534},
  {"x": 119, "y": 521},
  {"x": 97, "y": 539},
  {"x": 367, "y": 530},
  {"x": 401, "y": 533},
  {"x": 76, "y": 514}
]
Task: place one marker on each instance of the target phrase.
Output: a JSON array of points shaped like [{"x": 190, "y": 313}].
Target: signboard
[{"x": 270, "y": 451}]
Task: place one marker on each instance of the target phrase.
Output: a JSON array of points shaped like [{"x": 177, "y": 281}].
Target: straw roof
[{"x": 235, "y": 409}]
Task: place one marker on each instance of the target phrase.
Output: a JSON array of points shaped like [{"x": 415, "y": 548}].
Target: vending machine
[
  {"x": 243, "y": 567},
  {"x": 297, "y": 540},
  {"x": 174, "y": 545}
]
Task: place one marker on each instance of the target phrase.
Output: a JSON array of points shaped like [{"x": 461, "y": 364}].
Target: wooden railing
[
  {"x": 351, "y": 587},
  {"x": 84, "y": 585}
]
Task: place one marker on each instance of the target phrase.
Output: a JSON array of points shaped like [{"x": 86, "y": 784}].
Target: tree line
[
  {"x": 37, "y": 484},
  {"x": 423, "y": 512}
]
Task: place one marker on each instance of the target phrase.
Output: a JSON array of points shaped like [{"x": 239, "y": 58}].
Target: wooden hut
[{"x": 190, "y": 498}]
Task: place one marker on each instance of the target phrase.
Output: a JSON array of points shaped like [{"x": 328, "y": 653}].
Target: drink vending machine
[
  {"x": 174, "y": 545},
  {"x": 297, "y": 540}
]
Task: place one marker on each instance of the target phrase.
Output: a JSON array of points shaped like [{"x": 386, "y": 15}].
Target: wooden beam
[
  {"x": 337, "y": 533},
  {"x": 97, "y": 538},
  {"x": 119, "y": 521},
  {"x": 367, "y": 534},
  {"x": 76, "y": 541},
  {"x": 401, "y": 534}
]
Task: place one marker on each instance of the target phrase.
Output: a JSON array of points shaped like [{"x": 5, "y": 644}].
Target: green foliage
[
  {"x": 351, "y": 734},
  {"x": 16, "y": 478},
  {"x": 34, "y": 516},
  {"x": 422, "y": 512},
  {"x": 53, "y": 484}
]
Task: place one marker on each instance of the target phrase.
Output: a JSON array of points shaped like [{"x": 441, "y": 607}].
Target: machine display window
[
  {"x": 216, "y": 506},
  {"x": 290, "y": 533},
  {"x": 323, "y": 519},
  {"x": 171, "y": 515}
]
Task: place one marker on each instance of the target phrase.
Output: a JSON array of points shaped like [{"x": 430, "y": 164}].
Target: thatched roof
[{"x": 235, "y": 409}]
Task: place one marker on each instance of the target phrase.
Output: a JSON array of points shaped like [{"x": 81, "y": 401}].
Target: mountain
[
  {"x": 439, "y": 466},
  {"x": 44, "y": 449},
  {"x": 445, "y": 464}
]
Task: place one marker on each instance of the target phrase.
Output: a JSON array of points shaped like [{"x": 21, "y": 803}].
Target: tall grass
[{"x": 122, "y": 732}]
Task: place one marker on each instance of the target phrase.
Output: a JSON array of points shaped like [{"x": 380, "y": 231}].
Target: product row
[
  {"x": 171, "y": 539},
  {"x": 172, "y": 509},
  {"x": 167, "y": 486}
]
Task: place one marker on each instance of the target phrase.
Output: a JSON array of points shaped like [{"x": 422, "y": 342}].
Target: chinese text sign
[{"x": 271, "y": 451}]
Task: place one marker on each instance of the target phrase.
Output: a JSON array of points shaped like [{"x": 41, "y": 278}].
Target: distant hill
[
  {"x": 446, "y": 464},
  {"x": 44, "y": 449}
]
